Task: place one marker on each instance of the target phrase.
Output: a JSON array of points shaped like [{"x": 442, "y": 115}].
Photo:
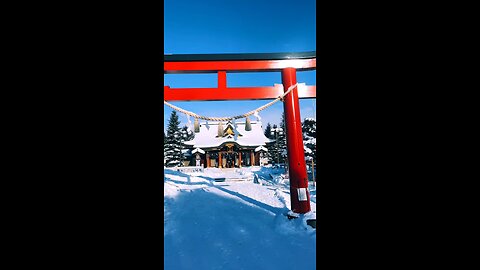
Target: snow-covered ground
[{"x": 235, "y": 224}]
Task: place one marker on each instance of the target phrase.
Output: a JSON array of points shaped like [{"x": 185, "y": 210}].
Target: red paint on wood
[
  {"x": 222, "y": 79},
  {"x": 238, "y": 66},
  {"x": 296, "y": 157}
]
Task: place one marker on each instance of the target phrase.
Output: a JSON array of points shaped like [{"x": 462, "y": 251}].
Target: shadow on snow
[{"x": 204, "y": 230}]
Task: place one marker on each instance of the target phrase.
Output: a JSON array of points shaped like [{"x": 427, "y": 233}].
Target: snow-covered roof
[
  {"x": 198, "y": 150},
  {"x": 261, "y": 148},
  {"x": 207, "y": 137},
  {"x": 186, "y": 152}
]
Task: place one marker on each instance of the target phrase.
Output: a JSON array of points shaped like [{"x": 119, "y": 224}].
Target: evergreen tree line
[
  {"x": 173, "y": 141},
  {"x": 277, "y": 150}
]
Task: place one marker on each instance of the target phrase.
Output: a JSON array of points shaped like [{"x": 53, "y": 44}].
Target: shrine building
[{"x": 220, "y": 145}]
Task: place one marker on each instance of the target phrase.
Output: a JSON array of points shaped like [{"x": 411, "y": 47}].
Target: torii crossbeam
[{"x": 286, "y": 63}]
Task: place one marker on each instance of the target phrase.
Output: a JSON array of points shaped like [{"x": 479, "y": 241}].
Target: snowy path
[{"x": 232, "y": 225}]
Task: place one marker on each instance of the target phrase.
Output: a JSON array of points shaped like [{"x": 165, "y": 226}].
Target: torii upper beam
[{"x": 235, "y": 63}]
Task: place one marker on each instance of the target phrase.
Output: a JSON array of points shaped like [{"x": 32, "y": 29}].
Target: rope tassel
[
  {"x": 220, "y": 129},
  {"x": 196, "y": 126},
  {"x": 248, "y": 125}
]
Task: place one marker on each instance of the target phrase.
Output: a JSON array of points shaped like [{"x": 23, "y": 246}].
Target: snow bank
[{"x": 234, "y": 225}]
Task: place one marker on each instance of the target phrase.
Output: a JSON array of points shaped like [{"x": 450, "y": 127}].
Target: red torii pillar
[
  {"x": 288, "y": 64},
  {"x": 297, "y": 169}
]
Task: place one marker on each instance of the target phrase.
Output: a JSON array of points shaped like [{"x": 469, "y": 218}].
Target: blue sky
[{"x": 232, "y": 26}]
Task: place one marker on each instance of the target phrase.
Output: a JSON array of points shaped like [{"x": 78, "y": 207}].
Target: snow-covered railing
[{"x": 189, "y": 169}]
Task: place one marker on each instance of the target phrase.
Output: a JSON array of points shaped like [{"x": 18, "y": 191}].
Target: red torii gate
[{"x": 286, "y": 63}]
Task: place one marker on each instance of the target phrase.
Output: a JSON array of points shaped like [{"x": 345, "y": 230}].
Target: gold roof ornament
[{"x": 229, "y": 131}]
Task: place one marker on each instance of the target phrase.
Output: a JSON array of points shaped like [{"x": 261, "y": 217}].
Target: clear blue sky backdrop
[{"x": 234, "y": 26}]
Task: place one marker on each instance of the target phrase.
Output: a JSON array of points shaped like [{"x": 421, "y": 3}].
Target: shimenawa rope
[{"x": 245, "y": 115}]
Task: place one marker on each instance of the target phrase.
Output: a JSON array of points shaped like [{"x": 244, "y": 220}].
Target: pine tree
[
  {"x": 268, "y": 131},
  {"x": 270, "y": 146},
  {"x": 173, "y": 144},
  {"x": 309, "y": 129},
  {"x": 164, "y": 143},
  {"x": 274, "y": 156},
  {"x": 282, "y": 141},
  {"x": 187, "y": 134}
]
